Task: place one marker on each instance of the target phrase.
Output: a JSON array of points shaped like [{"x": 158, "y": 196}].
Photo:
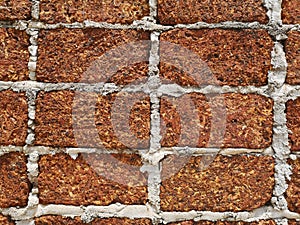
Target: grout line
[{"x": 88, "y": 213}]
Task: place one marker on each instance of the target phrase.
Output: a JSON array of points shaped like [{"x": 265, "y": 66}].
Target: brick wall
[{"x": 150, "y": 112}]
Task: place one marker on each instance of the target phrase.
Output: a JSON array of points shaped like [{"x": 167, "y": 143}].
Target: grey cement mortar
[{"x": 276, "y": 89}]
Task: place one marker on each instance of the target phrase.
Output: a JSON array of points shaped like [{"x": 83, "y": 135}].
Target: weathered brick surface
[
  {"x": 15, "y": 9},
  {"x": 58, "y": 220},
  {"x": 91, "y": 179},
  {"x": 293, "y": 121},
  {"x": 292, "y": 193},
  {"x": 234, "y": 57},
  {"x": 291, "y": 11},
  {"x": 215, "y": 11},
  {"x": 65, "y": 118},
  {"x": 249, "y": 120},
  {"x": 237, "y": 183},
  {"x": 55, "y": 11},
  {"x": 13, "y": 118},
  {"x": 14, "y": 55},
  {"x": 293, "y": 222},
  {"x": 4, "y": 220},
  {"x": 292, "y": 50},
  {"x": 261, "y": 222},
  {"x": 14, "y": 184},
  {"x": 75, "y": 55}
]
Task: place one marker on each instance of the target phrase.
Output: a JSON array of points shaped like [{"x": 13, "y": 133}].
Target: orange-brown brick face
[
  {"x": 89, "y": 55},
  {"x": 292, "y": 50},
  {"x": 13, "y": 118},
  {"x": 215, "y": 11},
  {"x": 58, "y": 220},
  {"x": 55, "y": 11},
  {"x": 229, "y": 57},
  {"x": 14, "y": 184},
  {"x": 261, "y": 222},
  {"x": 291, "y": 11},
  {"x": 239, "y": 121},
  {"x": 15, "y": 10},
  {"x": 66, "y": 118},
  {"x": 238, "y": 183},
  {"x": 14, "y": 54},
  {"x": 293, "y": 191},
  {"x": 293, "y": 120},
  {"x": 91, "y": 179},
  {"x": 5, "y": 220}
]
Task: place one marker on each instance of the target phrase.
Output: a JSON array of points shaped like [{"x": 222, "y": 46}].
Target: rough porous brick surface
[
  {"x": 15, "y": 9},
  {"x": 291, "y": 11},
  {"x": 13, "y": 118},
  {"x": 14, "y": 184},
  {"x": 55, "y": 11},
  {"x": 292, "y": 193},
  {"x": 238, "y": 183},
  {"x": 248, "y": 121},
  {"x": 293, "y": 121},
  {"x": 14, "y": 55},
  {"x": 215, "y": 11},
  {"x": 234, "y": 57},
  {"x": 66, "y": 118},
  {"x": 91, "y": 179},
  {"x": 5, "y": 220},
  {"x": 261, "y": 222},
  {"x": 292, "y": 50},
  {"x": 293, "y": 222},
  {"x": 58, "y": 220},
  {"x": 88, "y": 55}
]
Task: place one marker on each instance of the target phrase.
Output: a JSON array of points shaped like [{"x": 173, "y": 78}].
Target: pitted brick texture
[
  {"x": 237, "y": 183},
  {"x": 14, "y": 55},
  {"x": 239, "y": 121},
  {"x": 229, "y": 57},
  {"x": 115, "y": 121},
  {"x": 119, "y": 11},
  {"x": 293, "y": 121},
  {"x": 215, "y": 11},
  {"x": 13, "y": 118},
  {"x": 91, "y": 55},
  {"x": 58, "y": 220},
  {"x": 291, "y": 11},
  {"x": 5, "y": 220},
  {"x": 292, "y": 50},
  {"x": 261, "y": 222},
  {"x": 14, "y": 184},
  {"x": 91, "y": 179},
  {"x": 15, "y": 10},
  {"x": 293, "y": 191}
]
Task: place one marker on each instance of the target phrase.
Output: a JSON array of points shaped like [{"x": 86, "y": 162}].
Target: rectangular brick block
[
  {"x": 92, "y": 55},
  {"x": 293, "y": 121},
  {"x": 13, "y": 118},
  {"x": 292, "y": 51},
  {"x": 15, "y": 10},
  {"x": 58, "y": 220},
  {"x": 214, "y": 11},
  {"x": 291, "y": 11},
  {"x": 14, "y": 55},
  {"x": 115, "y": 121},
  {"x": 293, "y": 191},
  {"x": 4, "y": 220},
  {"x": 14, "y": 183},
  {"x": 260, "y": 222},
  {"x": 125, "y": 12},
  {"x": 216, "y": 56},
  {"x": 91, "y": 179},
  {"x": 237, "y": 183},
  {"x": 229, "y": 120}
]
